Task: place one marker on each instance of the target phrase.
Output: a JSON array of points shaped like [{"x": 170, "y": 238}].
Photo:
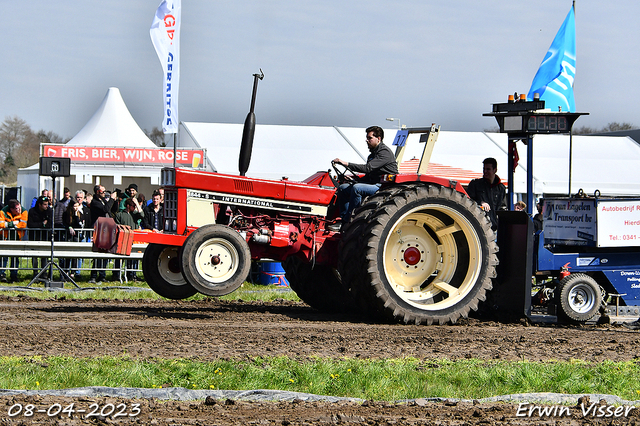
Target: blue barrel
[{"x": 272, "y": 273}]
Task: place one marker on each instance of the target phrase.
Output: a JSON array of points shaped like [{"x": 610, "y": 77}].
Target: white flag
[{"x": 165, "y": 35}]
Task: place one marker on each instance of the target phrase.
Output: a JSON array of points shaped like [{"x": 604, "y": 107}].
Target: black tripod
[{"x": 48, "y": 280}]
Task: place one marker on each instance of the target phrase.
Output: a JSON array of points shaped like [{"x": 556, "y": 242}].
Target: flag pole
[
  {"x": 571, "y": 130},
  {"x": 570, "y": 157}
]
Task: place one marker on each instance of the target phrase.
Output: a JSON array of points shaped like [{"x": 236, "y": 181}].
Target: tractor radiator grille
[
  {"x": 243, "y": 186},
  {"x": 170, "y": 211}
]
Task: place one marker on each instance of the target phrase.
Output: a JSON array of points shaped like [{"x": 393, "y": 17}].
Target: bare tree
[
  {"x": 50, "y": 137},
  {"x": 20, "y": 147},
  {"x": 157, "y": 136},
  {"x": 616, "y": 127},
  {"x": 611, "y": 127},
  {"x": 13, "y": 132}
]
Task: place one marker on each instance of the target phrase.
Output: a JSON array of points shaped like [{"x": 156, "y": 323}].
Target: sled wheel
[
  {"x": 216, "y": 260},
  {"x": 318, "y": 286},
  {"x": 579, "y": 297},
  {"x": 429, "y": 256},
  {"x": 161, "y": 269}
]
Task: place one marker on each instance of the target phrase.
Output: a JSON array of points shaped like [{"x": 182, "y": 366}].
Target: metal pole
[
  {"x": 530, "y": 175},
  {"x": 570, "y": 158},
  {"x": 573, "y": 5},
  {"x": 510, "y": 182},
  {"x": 53, "y": 230},
  {"x": 175, "y": 139}
]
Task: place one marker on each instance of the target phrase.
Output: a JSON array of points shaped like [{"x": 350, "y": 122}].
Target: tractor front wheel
[
  {"x": 216, "y": 260},
  {"x": 162, "y": 272}
]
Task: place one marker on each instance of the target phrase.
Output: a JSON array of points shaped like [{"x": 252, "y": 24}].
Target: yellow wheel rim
[{"x": 423, "y": 257}]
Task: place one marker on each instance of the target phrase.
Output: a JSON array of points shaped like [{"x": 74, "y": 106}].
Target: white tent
[
  {"x": 110, "y": 126},
  {"x": 296, "y": 152},
  {"x": 605, "y": 163}
]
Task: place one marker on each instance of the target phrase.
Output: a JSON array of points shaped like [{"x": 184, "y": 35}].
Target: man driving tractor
[{"x": 380, "y": 162}]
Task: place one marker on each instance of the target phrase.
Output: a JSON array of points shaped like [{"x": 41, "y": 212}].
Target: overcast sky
[{"x": 331, "y": 63}]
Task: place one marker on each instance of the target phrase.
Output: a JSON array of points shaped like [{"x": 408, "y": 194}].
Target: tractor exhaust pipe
[{"x": 249, "y": 129}]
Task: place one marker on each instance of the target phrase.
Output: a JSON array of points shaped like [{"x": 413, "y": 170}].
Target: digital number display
[{"x": 548, "y": 124}]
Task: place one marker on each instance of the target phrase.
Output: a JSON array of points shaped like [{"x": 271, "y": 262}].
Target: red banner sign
[{"x": 131, "y": 156}]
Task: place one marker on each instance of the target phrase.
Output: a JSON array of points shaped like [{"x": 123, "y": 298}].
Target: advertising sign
[
  {"x": 618, "y": 223},
  {"x": 569, "y": 222},
  {"x": 162, "y": 157}
]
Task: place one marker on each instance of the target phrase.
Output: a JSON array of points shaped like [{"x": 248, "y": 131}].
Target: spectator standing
[
  {"x": 141, "y": 203},
  {"x": 44, "y": 193},
  {"x": 130, "y": 192},
  {"x": 84, "y": 204},
  {"x": 100, "y": 207},
  {"x": 537, "y": 218},
  {"x": 75, "y": 219},
  {"x": 39, "y": 223},
  {"x": 153, "y": 213},
  {"x": 520, "y": 206},
  {"x": 13, "y": 220},
  {"x": 60, "y": 208},
  {"x": 130, "y": 217}
]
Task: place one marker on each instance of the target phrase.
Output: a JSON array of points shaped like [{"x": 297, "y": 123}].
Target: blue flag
[{"x": 554, "y": 80}]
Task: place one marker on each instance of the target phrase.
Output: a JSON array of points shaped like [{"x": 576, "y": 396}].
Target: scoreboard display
[
  {"x": 522, "y": 119},
  {"x": 540, "y": 123},
  {"x": 548, "y": 124}
]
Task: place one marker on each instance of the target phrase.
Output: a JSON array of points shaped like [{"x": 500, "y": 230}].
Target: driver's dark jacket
[
  {"x": 494, "y": 194},
  {"x": 380, "y": 162}
]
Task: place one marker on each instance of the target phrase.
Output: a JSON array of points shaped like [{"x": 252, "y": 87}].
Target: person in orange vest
[{"x": 12, "y": 220}]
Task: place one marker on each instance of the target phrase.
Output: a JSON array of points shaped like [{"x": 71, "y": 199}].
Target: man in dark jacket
[
  {"x": 129, "y": 217},
  {"x": 380, "y": 162},
  {"x": 39, "y": 222},
  {"x": 153, "y": 213},
  {"x": 100, "y": 207},
  {"x": 489, "y": 192}
]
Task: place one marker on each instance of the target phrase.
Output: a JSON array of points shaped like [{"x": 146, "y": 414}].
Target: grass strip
[
  {"x": 390, "y": 379},
  {"x": 140, "y": 291}
]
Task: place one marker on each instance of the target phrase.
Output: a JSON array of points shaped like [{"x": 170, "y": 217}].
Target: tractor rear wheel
[
  {"x": 426, "y": 255},
  {"x": 216, "y": 260},
  {"x": 579, "y": 297},
  {"x": 161, "y": 269},
  {"x": 319, "y": 286}
]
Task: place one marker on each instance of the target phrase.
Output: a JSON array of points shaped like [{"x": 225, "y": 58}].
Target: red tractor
[{"x": 419, "y": 250}]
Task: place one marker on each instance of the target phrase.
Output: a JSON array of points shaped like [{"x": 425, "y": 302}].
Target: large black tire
[
  {"x": 216, "y": 260},
  {"x": 424, "y": 254},
  {"x": 579, "y": 297},
  {"x": 349, "y": 263},
  {"x": 162, "y": 272},
  {"x": 319, "y": 286}
]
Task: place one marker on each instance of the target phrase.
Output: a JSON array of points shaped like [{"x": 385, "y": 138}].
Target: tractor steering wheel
[{"x": 342, "y": 176}]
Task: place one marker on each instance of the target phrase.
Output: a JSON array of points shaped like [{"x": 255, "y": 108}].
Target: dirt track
[{"x": 213, "y": 329}]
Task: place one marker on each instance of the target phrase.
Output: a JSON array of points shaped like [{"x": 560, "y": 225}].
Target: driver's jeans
[{"x": 351, "y": 195}]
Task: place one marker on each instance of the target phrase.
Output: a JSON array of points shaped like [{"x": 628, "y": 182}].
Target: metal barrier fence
[{"x": 22, "y": 254}]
